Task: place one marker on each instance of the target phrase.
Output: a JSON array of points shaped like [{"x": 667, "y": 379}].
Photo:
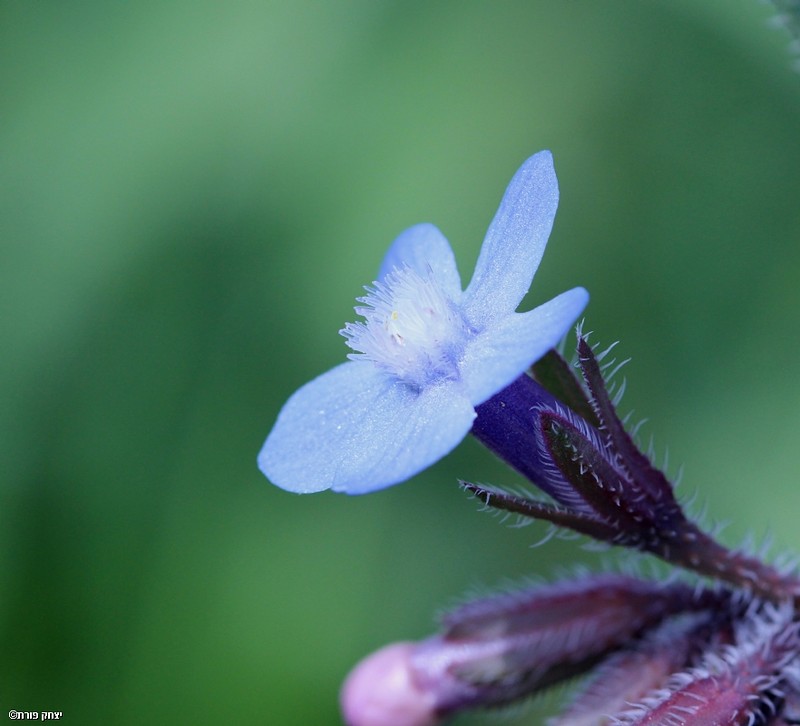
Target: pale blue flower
[{"x": 427, "y": 353}]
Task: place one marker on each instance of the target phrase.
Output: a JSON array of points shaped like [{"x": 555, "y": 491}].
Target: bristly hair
[{"x": 743, "y": 682}]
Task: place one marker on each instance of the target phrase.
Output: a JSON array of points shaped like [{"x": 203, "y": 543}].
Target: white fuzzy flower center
[{"x": 412, "y": 330}]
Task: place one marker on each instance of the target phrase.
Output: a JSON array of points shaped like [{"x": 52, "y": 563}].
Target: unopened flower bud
[
  {"x": 500, "y": 649},
  {"x": 382, "y": 690}
]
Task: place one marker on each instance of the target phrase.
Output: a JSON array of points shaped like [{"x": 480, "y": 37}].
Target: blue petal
[
  {"x": 515, "y": 242},
  {"x": 355, "y": 430},
  {"x": 423, "y": 247},
  {"x": 506, "y": 349}
]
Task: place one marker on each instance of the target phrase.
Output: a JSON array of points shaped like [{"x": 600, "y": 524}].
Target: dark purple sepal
[
  {"x": 555, "y": 374},
  {"x": 638, "y": 466},
  {"x": 585, "y": 524},
  {"x": 584, "y": 463}
]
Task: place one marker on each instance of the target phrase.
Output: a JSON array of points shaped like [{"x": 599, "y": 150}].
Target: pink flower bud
[{"x": 382, "y": 690}]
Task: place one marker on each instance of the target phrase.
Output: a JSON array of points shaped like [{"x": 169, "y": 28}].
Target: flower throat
[{"x": 412, "y": 329}]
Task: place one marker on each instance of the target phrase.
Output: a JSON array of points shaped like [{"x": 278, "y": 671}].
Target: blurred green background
[{"x": 191, "y": 196}]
